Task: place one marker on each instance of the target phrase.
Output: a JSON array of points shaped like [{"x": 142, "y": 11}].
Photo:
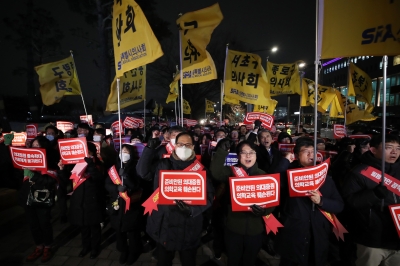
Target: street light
[{"x": 274, "y": 49}]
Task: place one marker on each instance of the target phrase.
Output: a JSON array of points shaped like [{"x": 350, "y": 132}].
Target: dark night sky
[{"x": 258, "y": 24}]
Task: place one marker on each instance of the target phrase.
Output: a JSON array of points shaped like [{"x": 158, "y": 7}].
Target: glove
[
  {"x": 28, "y": 173},
  {"x": 122, "y": 173},
  {"x": 381, "y": 191},
  {"x": 8, "y": 139},
  {"x": 184, "y": 208},
  {"x": 121, "y": 188},
  {"x": 89, "y": 161},
  {"x": 224, "y": 144},
  {"x": 153, "y": 143},
  {"x": 257, "y": 123},
  {"x": 257, "y": 210}
]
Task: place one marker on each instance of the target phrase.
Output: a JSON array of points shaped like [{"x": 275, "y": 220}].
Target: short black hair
[
  {"x": 263, "y": 131},
  {"x": 184, "y": 134},
  {"x": 176, "y": 129},
  {"x": 303, "y": 142},
  {"x": 243, "y": 143},
  {"x": 101, "y": 131},
  {"x": 377, "y": 140},
  {"x": 52, "y": 127},
  {"x": 83, "y": 126}
]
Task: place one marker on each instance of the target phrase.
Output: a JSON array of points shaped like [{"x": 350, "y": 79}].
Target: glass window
[
  {"x": 398, "y": 80},
  {"x": 355, "y": 60},
  {"x": 380, "y": 65},
  {"x": 373, "y": 92},
  {"x": 363, "y": 57}
]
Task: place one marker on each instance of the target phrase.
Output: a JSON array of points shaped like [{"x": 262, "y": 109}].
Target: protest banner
[
  {"x": 64, "y": 126},
  {"x": 285, "y": 147},
  {"x": 19, "y": 139},
  {"x": 395, "y": 212},
  {"x": 124, "y": 139},
  {"x": 73, "y": 150},
  {"x": 88, "y": 119},
  {"x": 267, "y": 121},
  {"x": 33, "y": 159},
  {"x": 339, "y": 131},
  {"x": 131, "y": 122},
  {"x": 231, "y": 159},
  {"x": 117, "y": 128},
  {"x": 31, "y": 131}
]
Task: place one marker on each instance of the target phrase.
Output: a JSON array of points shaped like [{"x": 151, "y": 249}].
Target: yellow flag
[
  {"x": 195, "y": 31},
  {"x": 132, "y": 89},
  {"x": 186, "y": 107},
  {"x": 336, "y": 106},
  {"x": 396, "y": 60},
  {"x": 228, "y": 100},
  {"x": 173, "y": 89},
  {"x": 155, "y": 111},
  {"x": 133, "y": 39},
  {"x": 325, "y": 95},
  {"x": 160, "y": 109},
  {"x": 283, "y": 78},
  {"x": 360, "y": 85},
  {"x": 209, "y": 106},
  {"x": 56, "y": 80},
  {"x": 245, "y": 78},
  {"x": 365, "y": 27},
  {"x": 267, "y": 106}
]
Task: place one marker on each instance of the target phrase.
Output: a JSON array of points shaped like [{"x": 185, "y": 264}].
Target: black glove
[
  {"x": 121, "y": 188},
  {"x": 224, "y": 144},
  {"x": 257, "y": 210},
  {"x": 89, "y": 161},
  {"x": 153, "y": 143},
  {"x": 381, "y": 191},
  {"x": 122, "y": 173},
  {"x": 184, "y": 208},
  {"x": 257, "y": 123}
]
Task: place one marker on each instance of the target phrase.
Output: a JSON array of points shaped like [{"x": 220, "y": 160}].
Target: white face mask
[
  {"x": 135, "y": 141},
  {"x": 183, "y": 153},
  {"x": 81, "y": 135},
  {"x": 172, "y": 141},
  {"x": 125, "y": 157},
  {"x": 96, "y": 138}
]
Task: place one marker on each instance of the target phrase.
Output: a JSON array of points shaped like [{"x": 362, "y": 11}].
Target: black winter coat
[
  {"x": 87, "y": 202},
  {"x": 302, "y": 223},
  {"x": 169, "y": 226},
  {"x": 369, "y": 225},
  {"x": 121, "y": 220},
  {"x": 40, "y": 182}
]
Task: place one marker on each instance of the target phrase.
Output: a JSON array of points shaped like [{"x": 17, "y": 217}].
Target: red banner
[
  {"x": 286, "y": 147},
  {"x": 64, "y": 126},
  {"x": 266, "y": 119},
  {"x": 31, "y": 131},
  {"x": 117, "y": 128},
  {"x": 395, "y": 212},
  {"x": 390, "y": 182},
  {"x": 88, "y": 119},
  {"x": 19, "y": 139},
  {"x": 320, "y": 157},
  {"x": 73, "y": 150},
  {"x": 152, "y": 202},
  {"x": 131, "y": 122},
  {"x": 260, "y": 190},
  {"x": 182, "y": 185},
  {"x": 302, "y": 180},
  {"x": 112, "y": 172},
  {"x": 34, "y": 159},
  {"x": 339, "y": 131},
  {"x": 359, "y": 136}
]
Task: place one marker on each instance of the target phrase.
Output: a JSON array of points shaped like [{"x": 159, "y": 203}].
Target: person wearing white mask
[
  {"x": 126, "y": 223},
  {"x": 51, "y": 133},
  {"x": 107, "y": 153},
  {"x": 177, "y": 227},
  {"x": 84, "y": 131}
]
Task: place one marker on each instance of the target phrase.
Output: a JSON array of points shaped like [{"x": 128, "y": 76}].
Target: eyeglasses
[
  {"x": 187, "y": 145},
  {"x": 252, "y": 153}
]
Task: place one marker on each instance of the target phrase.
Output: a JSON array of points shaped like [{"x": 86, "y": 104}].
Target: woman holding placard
[{"x": 126, "y": 223}]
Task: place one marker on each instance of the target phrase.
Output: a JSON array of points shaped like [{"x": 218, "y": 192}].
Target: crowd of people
[{"x": 359, "y": 203}]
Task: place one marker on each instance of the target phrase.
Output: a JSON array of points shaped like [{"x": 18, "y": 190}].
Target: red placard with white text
[
  {"x": 98, "y": 147},
  {"x": 64, "y": 126},
  {"x": 88, "y": 119},
  {"x": 117, "y": 128},
  {"x": 73, "y": 150},
  {"x": 267, "y": 120},
  {"x": 395, "y": 212},
  {"x": 339, "y": 131},
  {"x": 284, "y": 147},
  {"x": 182, "y": 185},
  {"x": 261, "y": 190},
  {"x": 31, "y": 131},
  {"x": 34, "y": 159},
  {"x": 131, "y": 122},
  {"x": 19, "y": 139},
  {"x": 302, "y": 180}
]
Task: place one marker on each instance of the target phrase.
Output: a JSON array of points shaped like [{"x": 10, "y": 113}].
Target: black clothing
[
  {"x": 242, "y": 249},
  {"x": 39, "y": 220},
  {"x": 165, "y": 257}
]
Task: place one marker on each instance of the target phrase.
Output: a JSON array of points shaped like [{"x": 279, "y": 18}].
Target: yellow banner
[
  {"x": 228, "y": 100},
  {"x": 336, "y": 106},
  {"x": 283, "y": 78},
  {"x": 195, "y": 30},
  {"x": 360, "y": 84},
  {"x": 132, "y": 89},
  {"x": 133, "y": 39},
  {"x": 245, "y": 78},
  {"x": 325, "y": 95},
  {"x": 365, "y": 27},
  {"x": 267, "y": 107},
  {"x": 57, "y": 79},
  {"x": 396, "y": 60},
  {"x": 173, "y": 89},
  {"x": 209, "y": 106},
  {"x": 155, "y": 111},
  {"x": 186, "y": 107}
]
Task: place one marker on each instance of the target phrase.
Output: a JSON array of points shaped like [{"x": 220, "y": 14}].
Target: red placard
[
  {"x": 359, "y": 136},
  {"x": 320, "y": 157},
  {"x": 266, "y": 119},
  {"x": 328, "y": 154},
  {"x": 339, "y": 131},
  {"x": 117, "y": 128},
  {"x": 88, "y": 119},
  {"x": 64, "y": 126},
  {"x": 19, "y": 139},
  {"x": 98, "y": 146},
  {"x": 34, "y": 159},
  {"x": 73, "y": 150},
  {"x": 182, "y": 185},
  {"x": 260, "y": 190},
  {"x": 131, "y": 122},
  {"x": 286, "y": 147},
  {"x": 395, "y": 212},
  {"x": 305, "y": 179},
  {"x": 31, "y": 131}
]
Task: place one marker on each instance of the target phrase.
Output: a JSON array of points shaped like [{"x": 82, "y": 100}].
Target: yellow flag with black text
[
  {"x": 134, "y": 42},
  {"x": 132, "y": 89},
  {"x": 57, "y": 79},
  {"x": 195, "y": 30},
  {"x": 186, "y": 107},
  {"x": 267, "y": 106},
  {"x": 209, "y": 106},
  {"x": 173, "y": 89},
  {"x": 283, "y": 78},
  {"x": 245, "y": 78},
  {"x": 360, "y": 84},
  {"x": 325, "y": 95},
  {"x": 155, "y": 110},
  {"x": 228, "y": 100}
]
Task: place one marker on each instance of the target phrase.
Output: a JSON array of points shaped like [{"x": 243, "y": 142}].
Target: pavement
[{"x": 16, "y": 242}]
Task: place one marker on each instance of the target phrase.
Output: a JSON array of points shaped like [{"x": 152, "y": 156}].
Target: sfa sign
[{"x": 380, "y": 34}]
